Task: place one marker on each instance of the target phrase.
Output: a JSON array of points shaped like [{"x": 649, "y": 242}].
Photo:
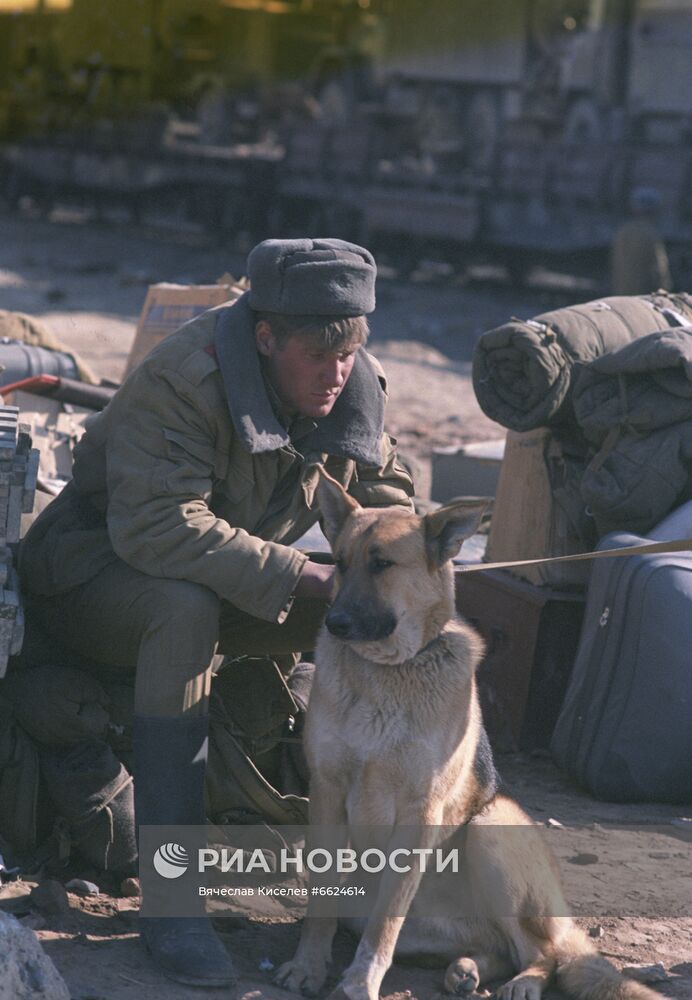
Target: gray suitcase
[{"x": 625, "y": 727}]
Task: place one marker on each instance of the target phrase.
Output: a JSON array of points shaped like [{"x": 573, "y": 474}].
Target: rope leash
[{"x": 677, "y": 545}]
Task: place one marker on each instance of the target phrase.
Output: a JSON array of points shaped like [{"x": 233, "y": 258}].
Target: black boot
[
  {"x": 92, "y": 792},
  {"x": 170, "y": 756}
]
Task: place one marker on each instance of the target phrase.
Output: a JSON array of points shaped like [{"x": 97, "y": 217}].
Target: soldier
[
  {"x": 638, "y": 258},
  {"x": 174, "y": 537}
]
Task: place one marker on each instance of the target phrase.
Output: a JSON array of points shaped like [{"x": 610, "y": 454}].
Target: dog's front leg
[
  {"x": 395, "y": 893},
  {"x": 307, "y": 970}
]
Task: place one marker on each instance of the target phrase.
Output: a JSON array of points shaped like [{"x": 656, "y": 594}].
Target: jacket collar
[{"x": 353, "y": 429}]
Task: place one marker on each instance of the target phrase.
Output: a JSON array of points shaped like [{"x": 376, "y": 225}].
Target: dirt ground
[{"x": 89, "y": 281}]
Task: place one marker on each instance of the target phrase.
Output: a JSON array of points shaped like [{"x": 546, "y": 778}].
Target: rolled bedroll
[{"x": 523, "y": 371}]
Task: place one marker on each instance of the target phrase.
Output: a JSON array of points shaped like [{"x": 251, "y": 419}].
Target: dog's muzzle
[{"x": 356, "y": 627}]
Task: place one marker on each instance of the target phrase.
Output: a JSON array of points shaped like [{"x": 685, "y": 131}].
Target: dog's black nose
[
  {"x": 339, "y": 623},
  {"x": 359, "y": 625}
]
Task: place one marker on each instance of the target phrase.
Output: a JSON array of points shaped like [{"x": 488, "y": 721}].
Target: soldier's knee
[
  {"x": 181, "y": 606},
  {"x": 176, "y": 650}
]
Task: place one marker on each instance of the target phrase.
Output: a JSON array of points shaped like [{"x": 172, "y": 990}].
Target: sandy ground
[{"x": 89, "y": 283}]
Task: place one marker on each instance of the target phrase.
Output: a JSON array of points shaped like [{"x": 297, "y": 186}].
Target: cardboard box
[
  {"x": 55, "y": 429},
  {"x": 469, "y": 470},
  {"x": 168, "y": 306},
  {"x": 527, "y": 523}
]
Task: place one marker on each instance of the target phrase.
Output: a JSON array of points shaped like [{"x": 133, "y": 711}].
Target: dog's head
[{"x": 394, "y": 589}]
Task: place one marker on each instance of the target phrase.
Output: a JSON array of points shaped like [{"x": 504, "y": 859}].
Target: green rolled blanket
[{"x": 523, "y": 371}]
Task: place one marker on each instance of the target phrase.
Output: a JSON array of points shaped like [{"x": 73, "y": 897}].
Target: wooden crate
[
  {"x": 531, "y": 636},
  {"x": 527, "y": 523}
]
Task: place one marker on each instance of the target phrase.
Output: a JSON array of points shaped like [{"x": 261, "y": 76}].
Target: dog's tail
[{"x": 583, "y": 974}]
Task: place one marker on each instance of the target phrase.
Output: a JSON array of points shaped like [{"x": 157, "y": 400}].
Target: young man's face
[{"x": 306, "y": 377}]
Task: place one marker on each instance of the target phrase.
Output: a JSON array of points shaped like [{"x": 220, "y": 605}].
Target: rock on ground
[{"x": 26, "y": 972}]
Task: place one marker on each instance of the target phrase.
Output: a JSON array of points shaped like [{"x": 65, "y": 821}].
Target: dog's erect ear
[
  {"x": 447, "y": 527},
  {"x": 335, "y": 504}
]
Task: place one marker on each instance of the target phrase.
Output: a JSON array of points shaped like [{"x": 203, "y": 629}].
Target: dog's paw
[
  {"x": 301, "y": 977},
  {"x": 461, "y": 977},
  {"x": 521, "y": 988},
  {"x": 344, "y": 992}
]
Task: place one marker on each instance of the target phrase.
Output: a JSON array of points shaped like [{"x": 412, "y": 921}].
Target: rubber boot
[{"x": 170, "y": 756}]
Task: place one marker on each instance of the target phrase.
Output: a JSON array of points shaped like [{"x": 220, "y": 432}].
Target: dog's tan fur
[{"x": 392, "y": 739}]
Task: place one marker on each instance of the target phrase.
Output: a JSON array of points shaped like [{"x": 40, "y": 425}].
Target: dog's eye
[{"x": 377, "y": 564}]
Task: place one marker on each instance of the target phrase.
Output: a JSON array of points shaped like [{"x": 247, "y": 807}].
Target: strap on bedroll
[{"x": 255, "y": 770}]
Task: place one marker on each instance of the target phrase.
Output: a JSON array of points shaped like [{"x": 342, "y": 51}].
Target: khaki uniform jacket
[{"x": 172, "y": 481}]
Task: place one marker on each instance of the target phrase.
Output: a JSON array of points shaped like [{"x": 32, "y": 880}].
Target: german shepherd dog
[{"x": 394, "y": 738}]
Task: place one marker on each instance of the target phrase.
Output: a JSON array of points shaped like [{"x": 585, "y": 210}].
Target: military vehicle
[
  {"x": 514, "y": 128},
  {"x": 68, "y": 62}
]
